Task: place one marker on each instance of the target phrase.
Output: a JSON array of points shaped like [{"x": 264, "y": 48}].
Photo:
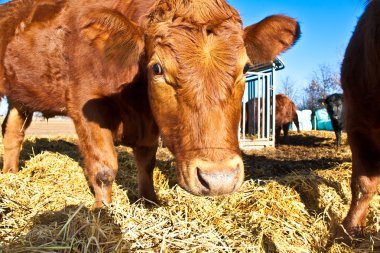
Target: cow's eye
[
  {"x": 246, "y": 68},
  {"x": 157, "y": 69}
]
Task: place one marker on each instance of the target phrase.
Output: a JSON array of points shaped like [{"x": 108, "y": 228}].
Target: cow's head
[
  {"x": 197, "y": 53},
  {"x": 334, "y": 106}
]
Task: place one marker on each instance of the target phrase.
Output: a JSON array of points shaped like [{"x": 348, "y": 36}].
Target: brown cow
[
  {"x": 286, "y": 113},
  {"x": 129, "y": 70},
  {"x": 361, "y": 92}
]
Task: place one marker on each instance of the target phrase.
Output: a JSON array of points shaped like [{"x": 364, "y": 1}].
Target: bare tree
[
  {"x": 288, "y": 88},
  {"x": 328, "y": 79},
  {"x": 324, "y": 82},
  {"x": 302, "y": 103},
  {"x": 313, "y": 93}
]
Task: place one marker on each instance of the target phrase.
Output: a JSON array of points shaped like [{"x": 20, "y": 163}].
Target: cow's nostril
[
  {"x": 202, "y": 180},
  {"x": 208, "y": 178},
  {"x": 217, "y": 182}
]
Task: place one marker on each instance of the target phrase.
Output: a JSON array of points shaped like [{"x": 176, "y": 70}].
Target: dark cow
[
  {"x": 334, "y": 106},
  {"x": 251, "y": 116},
  {"x": 286, "y": 113},
  {"x": 127, "y": 70},
  {"x": 361, "y": 90}
]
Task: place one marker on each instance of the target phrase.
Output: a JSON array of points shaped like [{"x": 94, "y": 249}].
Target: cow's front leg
[
  {"x": 338, "y": 134},
  {"x": 94, "y": 128},
  {"x": 145, "y": 158},
  {"x": 101, "y": 173},
  {"x": 286, "y": 131},
  {"x": 278, "y": 132},
  {"x": 363, "y": 189},
  {"x": 364, "y": 182}
]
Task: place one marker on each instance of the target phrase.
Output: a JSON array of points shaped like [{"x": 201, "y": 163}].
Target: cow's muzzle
[{"x": 207, "y": 178}]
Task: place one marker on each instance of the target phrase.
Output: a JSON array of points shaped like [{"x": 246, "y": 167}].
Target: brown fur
[
  {"x": 93, "y": 61},
  {"x": 360, "y": 82},
  {"x": 286, "y": 113},
  {"x": 9, "y": 23},
  {"x": 276, "y": 29}
]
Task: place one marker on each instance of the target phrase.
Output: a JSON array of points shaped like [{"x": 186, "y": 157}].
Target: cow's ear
[
  {"x": 270, "y": 37},
  {"x": 118, "y": 40}
]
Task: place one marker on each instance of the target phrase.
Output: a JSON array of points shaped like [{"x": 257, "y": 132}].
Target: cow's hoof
[
  {"x": 347, "y": 235},
  {"x": 149, "y": 200},
  {"x": 99, "y": 204},
  {"x": 149, "y": 195}
]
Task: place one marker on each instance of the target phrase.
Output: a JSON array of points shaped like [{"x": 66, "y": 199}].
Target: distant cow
[
  {"x": 334, "y": 106},
  {"x": 361, "y": 91},
  {"x": 286, "y": 113},
  {"x": 127, "y": 71},
  {"x": 251, "y": 108}
]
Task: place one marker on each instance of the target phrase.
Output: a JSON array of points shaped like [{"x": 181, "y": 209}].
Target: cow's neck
[{"x": 138, "y": 125}]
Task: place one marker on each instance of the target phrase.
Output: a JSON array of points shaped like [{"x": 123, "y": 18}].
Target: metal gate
[{"x": 257, "y": 127}]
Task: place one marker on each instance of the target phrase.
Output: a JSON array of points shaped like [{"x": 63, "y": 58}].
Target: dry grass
[{"x": 292, "y": 200}]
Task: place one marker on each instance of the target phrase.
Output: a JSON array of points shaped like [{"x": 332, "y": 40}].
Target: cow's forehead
[
  {"x": 202, "y": 62},
  {"x": 195, "y": 12},
  {"x": 174, "y": 23},
  {"x": 196, "y": 44},
  {"x": 200, "y": 48}
]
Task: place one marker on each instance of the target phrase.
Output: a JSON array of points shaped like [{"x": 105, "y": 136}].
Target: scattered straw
[{"x": 292, "y": 200}]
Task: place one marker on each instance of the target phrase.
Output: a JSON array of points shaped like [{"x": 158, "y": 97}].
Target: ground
[
  {"x": 51, "y": 127},
  {"x": 293, "y": 199}
]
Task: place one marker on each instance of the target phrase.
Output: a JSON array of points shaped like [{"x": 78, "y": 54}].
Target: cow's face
[
  {"x": 196, "y": 71},
  {"x": 334, "y": 106}
]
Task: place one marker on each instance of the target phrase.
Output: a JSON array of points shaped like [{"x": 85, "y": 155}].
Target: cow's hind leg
[
  {"x": 13, "y": 129},
  {"x": 296, "y": 122},
  {"x": 145, "y": 160},
  {"x": 364, "y": 182}
]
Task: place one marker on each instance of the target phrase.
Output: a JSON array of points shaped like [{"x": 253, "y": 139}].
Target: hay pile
[{"x": 292, "y": 200}]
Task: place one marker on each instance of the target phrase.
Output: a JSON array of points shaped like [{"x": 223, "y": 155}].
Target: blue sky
[{"x": 326, "y": 27}]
